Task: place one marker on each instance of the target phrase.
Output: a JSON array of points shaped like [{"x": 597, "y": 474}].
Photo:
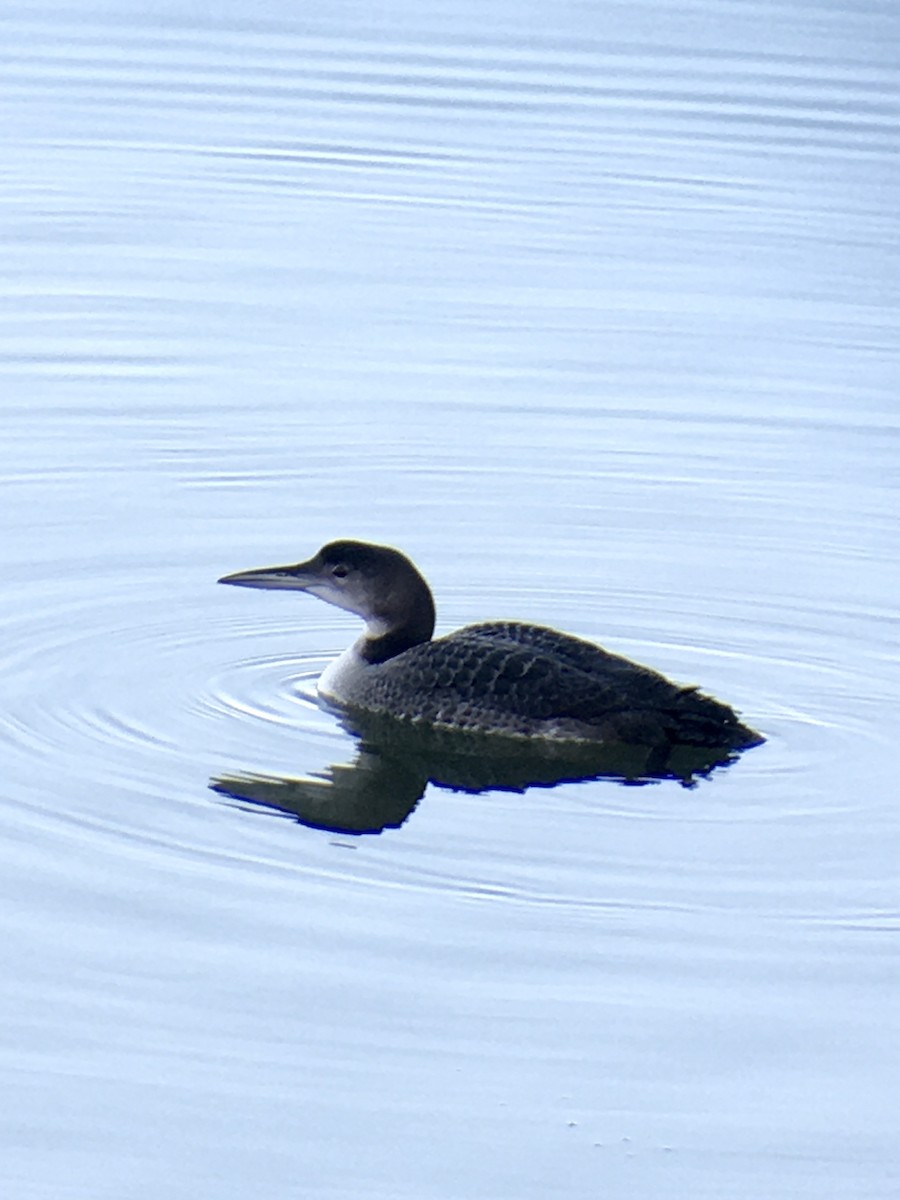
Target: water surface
[{"x": 592, "y": 312}]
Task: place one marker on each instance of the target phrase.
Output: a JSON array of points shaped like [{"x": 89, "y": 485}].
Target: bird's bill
[{"x": 295, "y": 578}]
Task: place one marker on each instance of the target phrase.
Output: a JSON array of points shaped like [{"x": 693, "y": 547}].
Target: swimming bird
[{"x": 499, "y": 677}]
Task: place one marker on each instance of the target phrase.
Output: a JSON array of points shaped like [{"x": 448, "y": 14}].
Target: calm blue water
[{"x": 593, "y": 310}]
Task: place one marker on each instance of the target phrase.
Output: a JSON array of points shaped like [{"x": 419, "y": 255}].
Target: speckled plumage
[{"x": 527, "y": 680}]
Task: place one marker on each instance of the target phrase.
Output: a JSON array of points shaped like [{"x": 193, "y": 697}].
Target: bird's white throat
[{"x": 338, "y": 679}]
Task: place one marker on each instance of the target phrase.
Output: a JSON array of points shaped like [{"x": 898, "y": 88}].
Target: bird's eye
[{"x": 340, "y": 571}]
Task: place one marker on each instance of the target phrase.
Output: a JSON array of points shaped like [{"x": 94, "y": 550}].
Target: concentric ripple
[{"x": 150, "y": 686}]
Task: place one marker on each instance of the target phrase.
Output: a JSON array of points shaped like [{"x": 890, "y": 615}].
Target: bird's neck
[{"x": 405, "y": 621}]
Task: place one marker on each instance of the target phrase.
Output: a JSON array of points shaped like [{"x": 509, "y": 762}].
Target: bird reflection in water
[{"x": 394, "y": 764}]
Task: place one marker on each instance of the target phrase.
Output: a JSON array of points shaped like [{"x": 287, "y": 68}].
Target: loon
[{"x": 498, "y": 677}]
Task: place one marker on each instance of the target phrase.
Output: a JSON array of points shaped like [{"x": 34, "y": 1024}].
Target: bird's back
[{"x": 508, "y": 677}]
